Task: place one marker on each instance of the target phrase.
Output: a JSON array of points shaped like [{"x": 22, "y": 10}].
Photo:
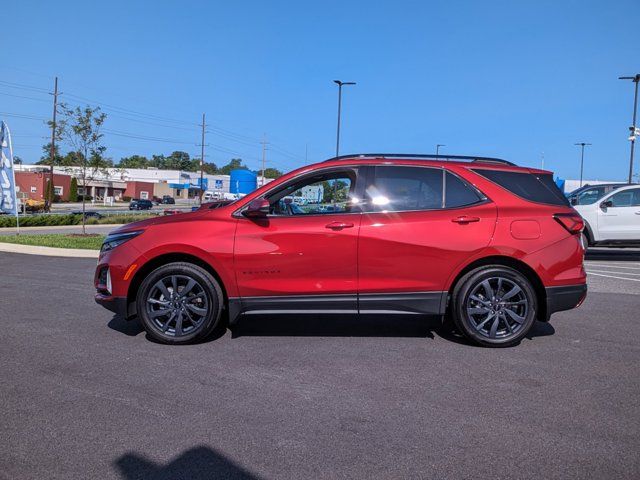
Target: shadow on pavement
[
  {"x": 198, "y": 463},
  {"x": 613, "y": 254},
  {"x": 416, "y": 326},
  {"x": 335, "y": 326}
]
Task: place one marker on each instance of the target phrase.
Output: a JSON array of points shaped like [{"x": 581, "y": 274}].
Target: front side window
[
  {"x": 396, "y": 189},
  {"x": 626, "y": 198},
  {"x": 590, "y": 196},
  {"x": 322, "y": 194}
]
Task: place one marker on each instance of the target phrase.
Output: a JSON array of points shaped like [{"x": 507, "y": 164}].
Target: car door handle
[
  {"x": 338, "y": 225},
  {"x": 465, "y": 219},
  {"x": 637, "y": 213}
]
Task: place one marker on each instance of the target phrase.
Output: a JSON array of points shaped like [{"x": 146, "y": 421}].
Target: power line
[{"x": 24, "y": 96}]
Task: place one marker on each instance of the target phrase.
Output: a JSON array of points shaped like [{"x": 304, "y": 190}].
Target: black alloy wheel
[
  {"x": 179, "y": 303},
  {"x": 494, "y": 306}
]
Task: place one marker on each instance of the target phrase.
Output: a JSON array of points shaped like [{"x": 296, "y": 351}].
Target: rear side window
[
  {"x": 539, "y": 188},
  {"x": 458, "y": 193},
  {"x": 396, "y": 189}
]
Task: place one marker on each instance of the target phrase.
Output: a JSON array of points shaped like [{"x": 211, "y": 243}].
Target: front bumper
[
  {"x": 117, "y": 305},
  {"x": 565, "y": 297}
]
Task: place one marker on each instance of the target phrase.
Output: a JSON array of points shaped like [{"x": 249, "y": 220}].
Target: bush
[
  {"x": 87, "y": 198},
  {"x": 59, "y": 220},
  {"x": 73, "y": 190},
  {"x": 126, "y": 198}
]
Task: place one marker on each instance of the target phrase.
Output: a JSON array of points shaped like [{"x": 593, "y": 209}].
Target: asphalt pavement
[{"x": 86, "y": 395}]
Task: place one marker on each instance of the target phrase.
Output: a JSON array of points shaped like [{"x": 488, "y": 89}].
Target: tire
[
  {"x": 494, "y": 306},
  {"x": 190, "y": 316},
  {"x": 585, "y": 240}
]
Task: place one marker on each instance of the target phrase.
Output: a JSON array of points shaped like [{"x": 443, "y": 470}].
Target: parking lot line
[
  {"x": 609, "y": 271},
  {"x": 612, "y": 276},
  {"x": 589, "y": 264}
]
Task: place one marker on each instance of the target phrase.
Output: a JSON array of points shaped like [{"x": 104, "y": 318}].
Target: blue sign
[
  {"x": 8, "y": 202},
  {"x": 218, "y": 185}
]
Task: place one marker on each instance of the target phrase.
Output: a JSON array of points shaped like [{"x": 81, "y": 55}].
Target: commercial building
[
  {"x": 32, "y": 184},
  {"x": 121, "y": 183}
]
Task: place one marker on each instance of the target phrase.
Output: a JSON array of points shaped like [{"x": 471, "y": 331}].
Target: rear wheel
[
  {"x": 179, "y": 303},
  {"x": 494, "y": 306}
]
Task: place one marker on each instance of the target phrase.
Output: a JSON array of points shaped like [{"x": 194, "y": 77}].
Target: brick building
[{"x": 33, "y": 184}]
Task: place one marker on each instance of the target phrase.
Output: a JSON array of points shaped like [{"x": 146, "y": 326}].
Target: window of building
[
  {"x": 34, "y": 189},
  {"x": 57, "y": 191},
  {"x": 144, "y": 195}
]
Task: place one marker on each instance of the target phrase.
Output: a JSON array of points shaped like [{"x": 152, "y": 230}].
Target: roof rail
[{"x": 423, "y": 156}]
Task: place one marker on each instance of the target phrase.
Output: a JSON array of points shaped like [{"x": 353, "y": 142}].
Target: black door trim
[{"x": 416, "y": 303}]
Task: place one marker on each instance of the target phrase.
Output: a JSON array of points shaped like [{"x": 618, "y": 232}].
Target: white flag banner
[{"x": 8, "y": 203}]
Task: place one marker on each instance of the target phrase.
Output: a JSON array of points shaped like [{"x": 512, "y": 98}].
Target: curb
[
  {"x": 44, "y": 228},
  {"x": 48, "y": 251}
]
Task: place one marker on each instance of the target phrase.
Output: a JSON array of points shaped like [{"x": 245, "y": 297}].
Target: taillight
[{"x": 572, "y": 222}]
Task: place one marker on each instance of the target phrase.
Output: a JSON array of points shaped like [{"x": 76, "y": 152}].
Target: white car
[{"x": 614, "y": 220}]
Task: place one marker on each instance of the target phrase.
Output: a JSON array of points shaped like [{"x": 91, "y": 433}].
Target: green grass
[
  {"x": 89, "y": 242},
  {"x": 60, "y": 220}
]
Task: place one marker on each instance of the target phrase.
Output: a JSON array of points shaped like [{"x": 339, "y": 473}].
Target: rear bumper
[
  {"x": 117, "y": 305},
  {"x": 565, "y": 297}
]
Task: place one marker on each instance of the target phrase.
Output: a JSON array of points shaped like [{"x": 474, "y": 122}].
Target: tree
[
  {"x": 73, "y": 190},
  {"x": 81, "y": 128},
  {"x": 272, "y": 173},
  {"x": 45, "y": 159},
  {"x": 48, "y": 193},
  {"x": 134, "y": 161},
  {"x": 178, "y": 161},
  {"x": 234, "y": 164}
]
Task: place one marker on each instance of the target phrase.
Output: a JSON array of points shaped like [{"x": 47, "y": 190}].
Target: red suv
[{"x": 493, "y": 246}]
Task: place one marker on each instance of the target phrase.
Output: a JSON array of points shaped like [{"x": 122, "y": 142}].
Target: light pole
[
  {"x": 635, "y": 79},
  {"x": 340, "y": 84},
  {"x": 582, "y": 145},
  {"x": 438, "y": 145}
]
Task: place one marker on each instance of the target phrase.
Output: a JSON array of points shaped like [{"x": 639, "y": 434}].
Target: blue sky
[{"x": 512, "y": 79}]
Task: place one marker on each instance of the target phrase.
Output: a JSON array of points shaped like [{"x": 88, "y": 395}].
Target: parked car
[
  {"x": 140, "y": 204},
  {"x": 614, "y": 219},
  {"x": 87, "y": 214},
  {"x": 167, "y": 200},
  {"x": 490, "y": 245},
  {"x": 589, "y": 194},
  {"x": 171, "y": 211}
]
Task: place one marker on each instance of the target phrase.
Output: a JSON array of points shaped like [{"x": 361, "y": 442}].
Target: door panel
[
  {"x": 622, "y": 220},
  {"x": 417, "y": 251},
  {"x": 297, "y": 255}
]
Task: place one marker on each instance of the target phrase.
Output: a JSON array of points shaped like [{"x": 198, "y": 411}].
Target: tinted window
[
  {"x": 325, "y": 193},
  {"x": 397, "y": 189},
  {"x": 538, "y": 188},
  {"x": 458, "y": 193},
  {"x": 626, "y": 198},
  {"x": 590, "y": 196}
]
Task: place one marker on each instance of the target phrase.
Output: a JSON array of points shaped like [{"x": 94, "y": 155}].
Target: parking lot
[{"x": 87, "y": 395}]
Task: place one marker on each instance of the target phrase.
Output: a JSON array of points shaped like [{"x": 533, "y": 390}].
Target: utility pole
[
  {"x": 438, "y": 145},
  {"x": 340, "y": 84},
  {"x": 202, "y": 160},
  {"x": 582, "y": 145},
  {"x": 264, "y": 157},
  {"x": 634, "y": 130},
  {"x": 52, "y": 153}
]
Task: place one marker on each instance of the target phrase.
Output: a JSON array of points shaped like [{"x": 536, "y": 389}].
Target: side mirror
[
  {"x": 574, "y": 200},
  {"x": 257, "y": 208},
  {"x": 606, "y": 204}
]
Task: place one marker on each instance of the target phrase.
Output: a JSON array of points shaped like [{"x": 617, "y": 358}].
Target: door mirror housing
[
  {"x": 606, "y": 204},
  {"x": 574, "y": 200},
  {"x": 257, "y": 208}
]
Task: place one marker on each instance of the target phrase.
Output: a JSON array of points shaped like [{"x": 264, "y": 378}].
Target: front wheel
[
  {"x": 179, "y": 303},
  {"x": 494, "y": 306}
]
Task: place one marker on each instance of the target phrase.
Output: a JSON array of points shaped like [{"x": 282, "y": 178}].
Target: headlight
[{"x": 113, "y": 240}]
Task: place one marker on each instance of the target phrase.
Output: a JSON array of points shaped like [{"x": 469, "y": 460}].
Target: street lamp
[
  {"x": 634, "y": 130},
  {"x": 438, "y": 145},
  {"x": 582, "y": 145},
  {"x": 340, "y": 84}
]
